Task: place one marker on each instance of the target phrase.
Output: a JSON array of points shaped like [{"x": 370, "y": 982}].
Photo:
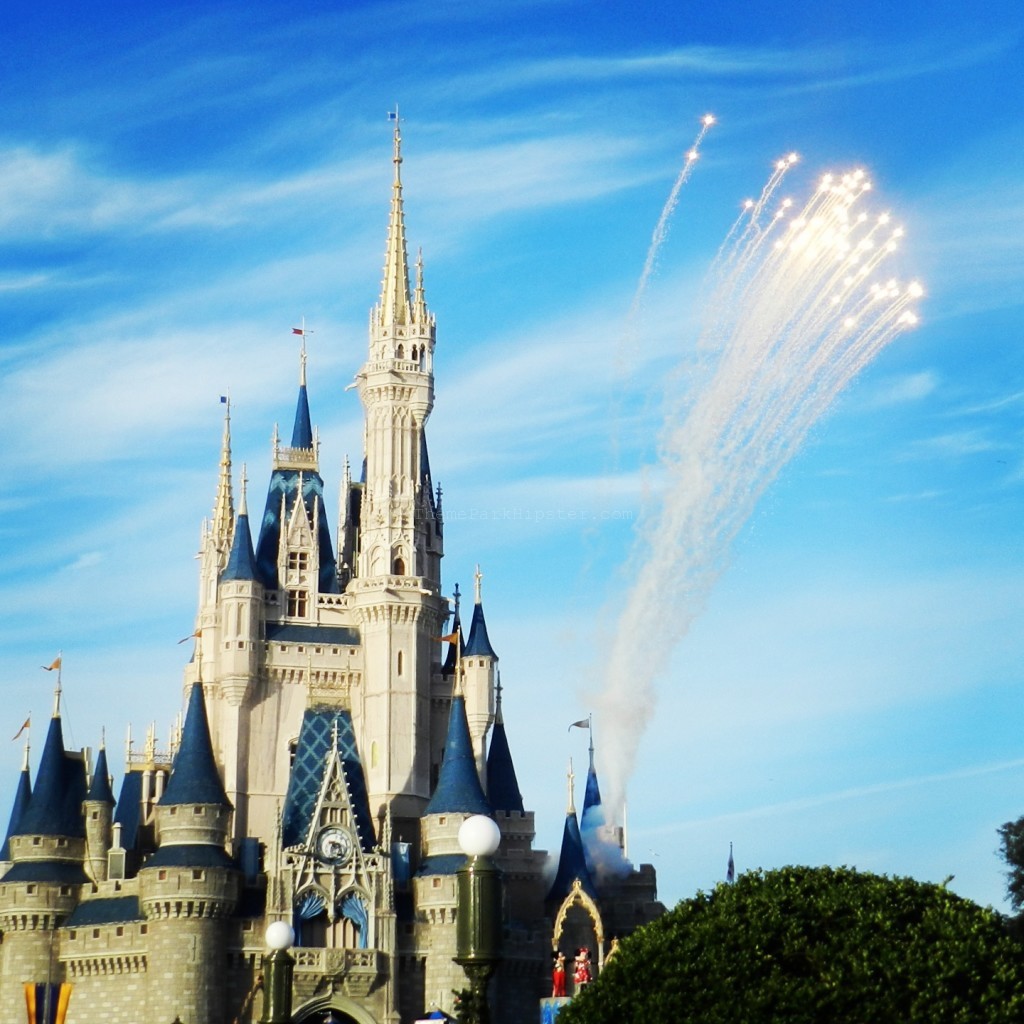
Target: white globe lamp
[
  {"x": 479, "y": 836},
  {"x": 279, "y": 935}
]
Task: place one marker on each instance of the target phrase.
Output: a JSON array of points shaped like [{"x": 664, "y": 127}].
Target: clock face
[{"x": 334, "y": 844}]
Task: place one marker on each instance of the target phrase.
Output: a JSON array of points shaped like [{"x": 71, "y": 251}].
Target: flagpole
[{"x": 56, "y": 699}]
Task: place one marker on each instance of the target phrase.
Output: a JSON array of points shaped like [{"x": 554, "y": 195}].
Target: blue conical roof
[
  {"x": 592, "y": 796},
  {"x": 129, "y": 809},
  {"x": 502, "y": 784},
  {"x": 293, "y": 485},
  {"x": 302, "y": 431},
  {"x": 56, "y": 805},
  {"x": 572, "y": 863},
  {"x": 479, "y": 644},
  {"x": 458, "y": 786},
  {"x": 22, "y": 796},
  {"x": 242, "y": 559},
  {"x": 194, "y": 776},
  {"x": 592, "y": 818},
  {"x": 448, "y": 668},
  {"x": 100, "y": 789}
]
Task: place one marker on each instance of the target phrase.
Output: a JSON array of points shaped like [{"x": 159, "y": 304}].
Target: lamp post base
[{"x": 478, "y": 1010}]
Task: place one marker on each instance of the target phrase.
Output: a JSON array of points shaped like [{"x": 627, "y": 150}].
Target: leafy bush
[{"x": 813, "y": 945}]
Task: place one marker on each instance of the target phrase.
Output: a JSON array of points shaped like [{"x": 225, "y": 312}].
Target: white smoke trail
[{"x": 794, "y": 314}]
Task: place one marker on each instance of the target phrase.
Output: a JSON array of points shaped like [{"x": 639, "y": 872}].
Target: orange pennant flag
[
  {"x": 451, "y": 638},
  {"x": 52, "y": 667},
  {"x": 28, "y": 723}
]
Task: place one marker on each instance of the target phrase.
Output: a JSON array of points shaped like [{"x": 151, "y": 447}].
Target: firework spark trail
[
  {"x": 661, "y": 228},
  {"x": 623, "y": 361},
  {"x": 794, "y": 313}
]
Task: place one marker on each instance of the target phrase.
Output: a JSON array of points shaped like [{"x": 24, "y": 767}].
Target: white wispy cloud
[
  {"x": 818, "y": 800},
  {"x": 893, "y": 391},
  {"x": 954, "y": 444}
]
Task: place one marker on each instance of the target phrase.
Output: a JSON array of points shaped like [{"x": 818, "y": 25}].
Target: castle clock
[{"x": 334, "y": 845}]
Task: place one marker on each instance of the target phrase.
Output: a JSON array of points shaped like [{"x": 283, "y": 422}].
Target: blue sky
[{"x": 181, "y": 184}]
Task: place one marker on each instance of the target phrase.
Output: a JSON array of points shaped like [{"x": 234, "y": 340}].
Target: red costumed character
[{"x": 557, "y": 975}]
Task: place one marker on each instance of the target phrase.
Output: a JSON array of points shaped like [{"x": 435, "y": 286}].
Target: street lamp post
[
  {"x": 278, "y": 966},
  {"x": 478, "y": 915}
]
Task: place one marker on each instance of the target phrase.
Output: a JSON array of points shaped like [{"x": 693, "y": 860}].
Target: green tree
[
  {"x": 1011, "y": 840},
  {"x": 802, "y": 945}
]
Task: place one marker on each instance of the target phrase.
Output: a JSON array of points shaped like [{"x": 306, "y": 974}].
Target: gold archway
[{"x": 577, "y": 895}]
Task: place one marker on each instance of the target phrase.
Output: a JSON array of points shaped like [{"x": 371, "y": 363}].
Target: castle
[{"x": 326, "y": 760}]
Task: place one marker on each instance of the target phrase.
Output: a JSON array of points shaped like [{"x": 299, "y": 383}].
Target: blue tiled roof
[
  {"x": 190, "y": 855},
  {"x": 63, "y": 872},
  {"x": 302, "y": 430},
  {"x": 425, "y": 479},
  {"x": 129, "y": 809},
  {"x": 283, "y": 633},
  {"x": 285, "y": 482},
  {"x": 479, "y": 644},
  {"x": 307, "y": 775},
  {"x": 458, "y": 785},
  {"x": 572, "y": 864},
  {"x": 22, "y": 795},
  {"x": 502, "y": 784},
  {"x": 100, "y": 789},
  {"x": 194, "y": 776},
  {"x": 592, "y": 796},
  {"x": 242, "y": 559},
  {"x": 105, "y": 910},
  {"x": 448, "y": 668},
  {"x": 56, "y": 805},
  {"x": 591, "y": 819},
  {"x": 441, "y": 864}
]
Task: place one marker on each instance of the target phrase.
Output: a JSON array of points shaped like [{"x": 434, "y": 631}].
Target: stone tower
[
  {"x": 190, "y": 886},
  {"x": 397, "y": 587},
  {"x": 41, "y": 889}
]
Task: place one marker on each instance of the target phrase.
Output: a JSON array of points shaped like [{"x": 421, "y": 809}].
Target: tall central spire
[{"x": 394, "y": 298}]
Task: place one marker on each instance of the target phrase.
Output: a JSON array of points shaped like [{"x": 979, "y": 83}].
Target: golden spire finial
[
  {"x": 302, "y": 332},
  {"x": 243, "y": 505},
  {"x": 478, "y": 577},
  {"x": 394, "y": 299},
  {"x": 223, "y": 509},
  {"x": 397, "y": 158},
  {"x": 571, "y": 779},
  {"x": 58, "y": 689}
]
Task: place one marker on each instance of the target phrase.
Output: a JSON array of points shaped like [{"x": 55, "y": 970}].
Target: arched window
[
  {"x": 414, "y": 355},
  {"x": 399, "y": 566},
  {"x": 400, "y": 352}
]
